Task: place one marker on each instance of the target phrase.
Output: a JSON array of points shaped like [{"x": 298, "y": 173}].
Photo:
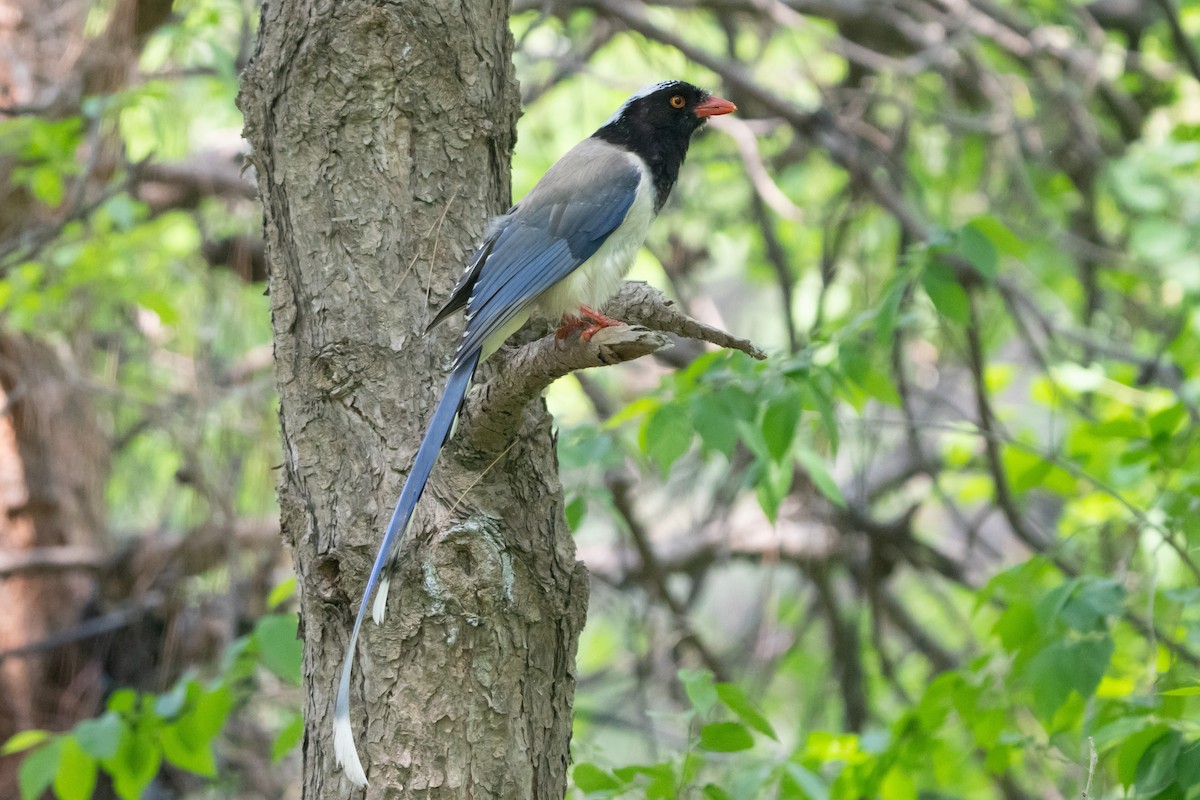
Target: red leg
[
  {"x": 568, "y": 325},
  {"x": 598, "y": 322}
]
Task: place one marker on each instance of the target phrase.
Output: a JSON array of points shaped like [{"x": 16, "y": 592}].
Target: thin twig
[{"x": 1021, "y": 527}]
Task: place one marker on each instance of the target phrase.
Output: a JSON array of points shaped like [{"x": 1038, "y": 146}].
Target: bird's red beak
[{"x": 714, "y": 107}]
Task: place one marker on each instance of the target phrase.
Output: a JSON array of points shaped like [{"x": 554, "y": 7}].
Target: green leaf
[
  {"x": 1165, "y": 422},
  {"x": 1156, "y": 768},
  {"x": 1092, "y": 602},
  {"x": 279, "y": 649},
  {"x": 772, "y": 486},
  {"x": 699, "y": 687},
  {"x": 1187, "y": 765},
  {"x": 1016, "y": 626},
  {"x": 806, "y": 781},
  {"x": 714, "y": 424},
  {"x": 99, "y": 737},
  {"x": 1000, "y": 237},
  {"x": 76, "y": 775},
  {"x": 282, "y": 592},
  {"x": 37, "y": 770},
  {"x": 666, "y": 435},
  {"x": 47, "y": 186},
  {"x": 662, "y": 783},
  {"x": 122, "y": 701},
  {"x": 643, "y": 406},
  {"x": 170, "y": 704},
  {"x": 977, "y": 249},
  {"x": 23, "y": 740},
  {"x": 946, "y": 293},
  {"x": 751, "y": 436},
  {"x": 1028, "y": 471},
  {"x": 779, "y": 424},
  {"x": 1067, "y": 666},
  {"x": 736, "y": 701},
  {"x": 860, "y": 370},
  {"x": 574, "y": 511},
  {"x": 725, "y": 737},
  {"x": 288, "y": 737},
  {"x": 590, "y": 778},
  {"x": 817, "y": 397},
  {"x": 814, "y": 465},
  {"x": 210, "y": 711},
  {"x": 899, "y": 785},
  {"x": 714, "y": 792},
  {"x": 184, "y": 752},
  {"x": 887, "y": 317},
  {"x": 134, "y": 764},
  {"x": 1129, "y": 754}
]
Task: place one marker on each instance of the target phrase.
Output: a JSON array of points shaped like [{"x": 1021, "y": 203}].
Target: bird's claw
[{"x": 588, "y": 321}]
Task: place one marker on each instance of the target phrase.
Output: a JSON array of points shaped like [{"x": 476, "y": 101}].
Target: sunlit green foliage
[{"x": 129, "y": 290}]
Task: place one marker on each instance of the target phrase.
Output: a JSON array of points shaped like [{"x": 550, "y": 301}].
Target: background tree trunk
[
  {"x": 382, "y": 137},
  {"x": 53, "y": 460},
  {"x": 54, "y": 456}
]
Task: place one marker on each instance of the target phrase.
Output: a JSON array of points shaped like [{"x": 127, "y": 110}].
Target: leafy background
[{"x": 940, "y": 544}]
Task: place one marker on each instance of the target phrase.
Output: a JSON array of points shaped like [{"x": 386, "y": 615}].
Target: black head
[
  {"x": 667, "y": 109},
  {"x": 657, "y": 123}
]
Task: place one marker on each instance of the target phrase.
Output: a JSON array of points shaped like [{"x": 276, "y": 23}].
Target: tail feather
[
  {"x": 440, "y": 427},
  {"x": 379, "y": 609},
  {"x": 344, "y": 749}
]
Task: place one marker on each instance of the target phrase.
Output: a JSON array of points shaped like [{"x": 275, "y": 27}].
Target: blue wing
[{"x": 556, "y": 228}]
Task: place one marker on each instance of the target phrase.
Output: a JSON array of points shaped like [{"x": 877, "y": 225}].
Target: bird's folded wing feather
[{"x": 559, "y": 225}]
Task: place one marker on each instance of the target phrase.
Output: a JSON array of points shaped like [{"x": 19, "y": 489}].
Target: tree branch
[
  {"x": 1022, "y": 528},
  {"x": 51, "y": 559},
  {"x": 492, "y": 412},
  {"x": 1182, "y": 43}
]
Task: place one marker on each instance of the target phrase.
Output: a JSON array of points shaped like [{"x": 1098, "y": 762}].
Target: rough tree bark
[{"x": 381, "y": 136}]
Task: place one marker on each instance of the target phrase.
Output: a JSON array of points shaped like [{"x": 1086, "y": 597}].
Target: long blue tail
[{"x": 440, "y": 427}]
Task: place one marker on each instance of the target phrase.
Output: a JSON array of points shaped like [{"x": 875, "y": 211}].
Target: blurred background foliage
[{"x": 941, "y": 544}]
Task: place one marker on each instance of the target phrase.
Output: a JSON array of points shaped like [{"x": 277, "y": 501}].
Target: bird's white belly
[{"x": 597, "y": 279}]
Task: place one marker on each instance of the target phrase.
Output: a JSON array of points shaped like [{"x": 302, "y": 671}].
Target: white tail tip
[
  {"x": 344, "y": 750},
  {"x": 379, "y": 607}
]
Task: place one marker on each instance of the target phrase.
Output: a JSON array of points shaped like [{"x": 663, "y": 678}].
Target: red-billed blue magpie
[{"x": 562, "y": 250}]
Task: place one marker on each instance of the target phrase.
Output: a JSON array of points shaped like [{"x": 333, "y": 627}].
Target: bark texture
[{"x": 381, "y": 138}]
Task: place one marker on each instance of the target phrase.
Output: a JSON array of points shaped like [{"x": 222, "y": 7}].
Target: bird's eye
[{"x": 677, "y": 101}]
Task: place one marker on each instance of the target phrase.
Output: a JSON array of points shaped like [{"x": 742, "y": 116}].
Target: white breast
[{"x": 598, "y": 278}]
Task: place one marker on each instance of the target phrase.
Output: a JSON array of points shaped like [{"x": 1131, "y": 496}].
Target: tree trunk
[
  {"x": 381, "y": 137},
  {"x": 53, "y": 461}
]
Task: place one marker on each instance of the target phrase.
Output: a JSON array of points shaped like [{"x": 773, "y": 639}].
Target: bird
[{"x": 562, "y": 250}]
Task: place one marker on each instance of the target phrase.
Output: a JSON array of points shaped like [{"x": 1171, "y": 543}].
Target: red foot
[
  {"x": 568, "y": 325},
  {"x": 598, "y": 320},
  {"x": 589, "y": 322}
]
